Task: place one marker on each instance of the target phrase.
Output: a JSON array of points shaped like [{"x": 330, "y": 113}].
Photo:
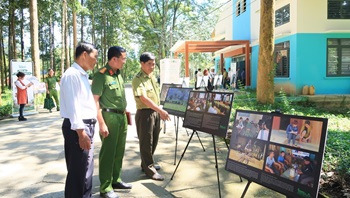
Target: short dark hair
[
  {"x": 146, "y": 56},
  {"x": 84, "y": 47},
  {"x": 20, "y": 74},
  {"x": 307, "y": 159},
  {"x": 115, "y": 51},
  {"x": 307, "y": 122}
]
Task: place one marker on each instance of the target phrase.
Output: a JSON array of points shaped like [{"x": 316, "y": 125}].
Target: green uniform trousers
[
  {"x": 148, "y": 129},
  {"x": 54, "y": 94},
  {"x": 112, "y": 150}
]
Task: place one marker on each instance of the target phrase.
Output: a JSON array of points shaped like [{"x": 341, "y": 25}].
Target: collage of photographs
[{"x": 290, "y": 148}]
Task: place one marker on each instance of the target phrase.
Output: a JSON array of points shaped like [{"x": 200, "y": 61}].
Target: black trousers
[
  {"x": 148, "y": 128},
  {"x": 80, "y": 163},
  {"x": 21, "y": 108}
]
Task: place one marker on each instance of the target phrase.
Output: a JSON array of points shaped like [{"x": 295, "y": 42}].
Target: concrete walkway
[{"x": 32, "y": 162}]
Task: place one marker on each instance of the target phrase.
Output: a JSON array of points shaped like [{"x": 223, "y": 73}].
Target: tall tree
[
  {"x": 266, "y": 72},
  {"x": 2, "y": 65},
  {"x": 64, "y": 35},
  {"x": 82, "y": 22},
  {"x": 74, "y": 22},
  {"x": 34, "y": 36}
]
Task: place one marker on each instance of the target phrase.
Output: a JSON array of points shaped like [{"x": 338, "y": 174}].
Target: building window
[
  {"x": 241, "y": 6},
  {"x": 244, "y": 5},
  {"x": 338, "y": 9},
  {"x": 282, "y": 15},
  {"x": 281, "y": 59},
  {"x": 338, "y": 57},
  {"x": 238, "y": 8}
]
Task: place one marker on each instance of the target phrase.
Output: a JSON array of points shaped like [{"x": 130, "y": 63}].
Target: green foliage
[
  {"x": 337, "y": 156},
  {"x": 6, "y": 107},
  {"x": 5, "y": 110}
]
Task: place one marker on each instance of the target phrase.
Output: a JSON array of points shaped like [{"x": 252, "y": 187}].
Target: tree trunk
[
  {"x": 13, "y": 31},
  {"x": 11, "y": 34},
  {"x": 66, "y": 39},
  {"x": 51, "y": 30},
  {"x": 5, "y": 68},
  {"x": 22, "y": 33},
  {"x": 63, "y": 31},
  {"x": 104, "y": 37},
  {"x": 75, "y": 36},
  {"x": 34, "y": 36},
  {"x": 266, "y": 72},
  {"x": 82, "y": 23},
  {"x": 2, "y": 66}
]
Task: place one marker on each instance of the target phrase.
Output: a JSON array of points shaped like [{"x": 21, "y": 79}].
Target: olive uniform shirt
[
  {"x": 144, "y": 85},
  {"x": 110, "y": 87},
  {"x": 51, "y": 82}
]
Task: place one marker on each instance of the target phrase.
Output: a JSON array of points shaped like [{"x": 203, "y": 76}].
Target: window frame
[
  {"x": 334, "y": 11},
  {"x": 282, "y": 14},
  {"x": 285, "y": 45},
  {"x": 339, "y": 46}
]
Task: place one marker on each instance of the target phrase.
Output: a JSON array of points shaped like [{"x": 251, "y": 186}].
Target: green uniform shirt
[
  {"x": 110, "y": 87},
  {"x": 143, "y": 85},
  {"x": 51, "y": 82}
]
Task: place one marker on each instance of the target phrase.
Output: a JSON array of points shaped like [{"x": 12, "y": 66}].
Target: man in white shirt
[{"x": 79, "y": 112}]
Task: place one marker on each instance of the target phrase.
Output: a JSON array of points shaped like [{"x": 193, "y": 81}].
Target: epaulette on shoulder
[
  {"x": 103, "y": 70},
  {"x": 138, "y": 75}
]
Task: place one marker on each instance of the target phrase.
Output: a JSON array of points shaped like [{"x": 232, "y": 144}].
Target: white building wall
[
  {"x": 312, "y": 18},
  {"x": 223, "y": 28}
]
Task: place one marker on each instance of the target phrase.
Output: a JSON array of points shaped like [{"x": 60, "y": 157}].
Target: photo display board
[
  {"x": 164, "y": 91},
  {"x": 176, "y": 100},
  {"x": 281, "y": 152},
  {"x": 209, "y": 112}
]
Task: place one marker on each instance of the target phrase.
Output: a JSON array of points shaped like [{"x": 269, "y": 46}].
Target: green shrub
[{"x": 5, "y": 110}]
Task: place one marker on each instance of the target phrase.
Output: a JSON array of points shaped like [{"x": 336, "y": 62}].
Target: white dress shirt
[
  {"x": 77, "y": 102},
  {"x": 19, "y": 84}
]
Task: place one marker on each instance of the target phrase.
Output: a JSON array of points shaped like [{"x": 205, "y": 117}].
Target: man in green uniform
[
  {"x": 109, "y": 94},
  {"x": 148, "y": 114},
  {"x": 50, "y": 82}
]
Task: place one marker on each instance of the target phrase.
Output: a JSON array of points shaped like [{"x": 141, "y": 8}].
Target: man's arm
[
  {"x": 103, "y": 127},
  {"x": 163, "y": 114}
]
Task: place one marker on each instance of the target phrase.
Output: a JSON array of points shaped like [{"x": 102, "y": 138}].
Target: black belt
[
  {"x": 114, "y": 111},
  {"x": 86, "y": 121},
  {"x": 145, "y": 109},
  {"x": 89, "y": 121}
]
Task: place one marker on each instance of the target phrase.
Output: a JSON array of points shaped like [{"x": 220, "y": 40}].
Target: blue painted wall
[
  {"x": 308, "y": 62},
  {"x": 241, "y": 24}
]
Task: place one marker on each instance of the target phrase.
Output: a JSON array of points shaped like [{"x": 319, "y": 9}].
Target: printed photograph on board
[
  {"x": 298, "y": 133},
  {"x": 248, "y": 151},
  {"x": 252, "y": 125},
  {"x": 291, "y": 164}
]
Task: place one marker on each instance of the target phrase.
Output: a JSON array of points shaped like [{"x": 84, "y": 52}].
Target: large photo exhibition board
[
  {"x": 176, "y": 100},
  {"x": 209, "y": 112},
  {"x": 281, "y": 152}
]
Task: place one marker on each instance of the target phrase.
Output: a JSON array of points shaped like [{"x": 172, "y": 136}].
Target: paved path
[{"x": 32, "y": 163}]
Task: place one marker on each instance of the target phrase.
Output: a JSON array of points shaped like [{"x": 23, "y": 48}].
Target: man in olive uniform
[
  {"x": 148, "y": 114},
  {"x": 109, "y": 94},
  {"x": 50, "y": 82}
]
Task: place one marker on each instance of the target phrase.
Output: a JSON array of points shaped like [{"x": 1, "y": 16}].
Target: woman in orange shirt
[{"x": 22, "y": 98}]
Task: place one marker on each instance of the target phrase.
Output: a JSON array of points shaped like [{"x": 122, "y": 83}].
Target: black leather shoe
[
  {"x": 110, "y": 194},
  {"x": 121, "y": 185},
  {"x": 22, "y": 119}
]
